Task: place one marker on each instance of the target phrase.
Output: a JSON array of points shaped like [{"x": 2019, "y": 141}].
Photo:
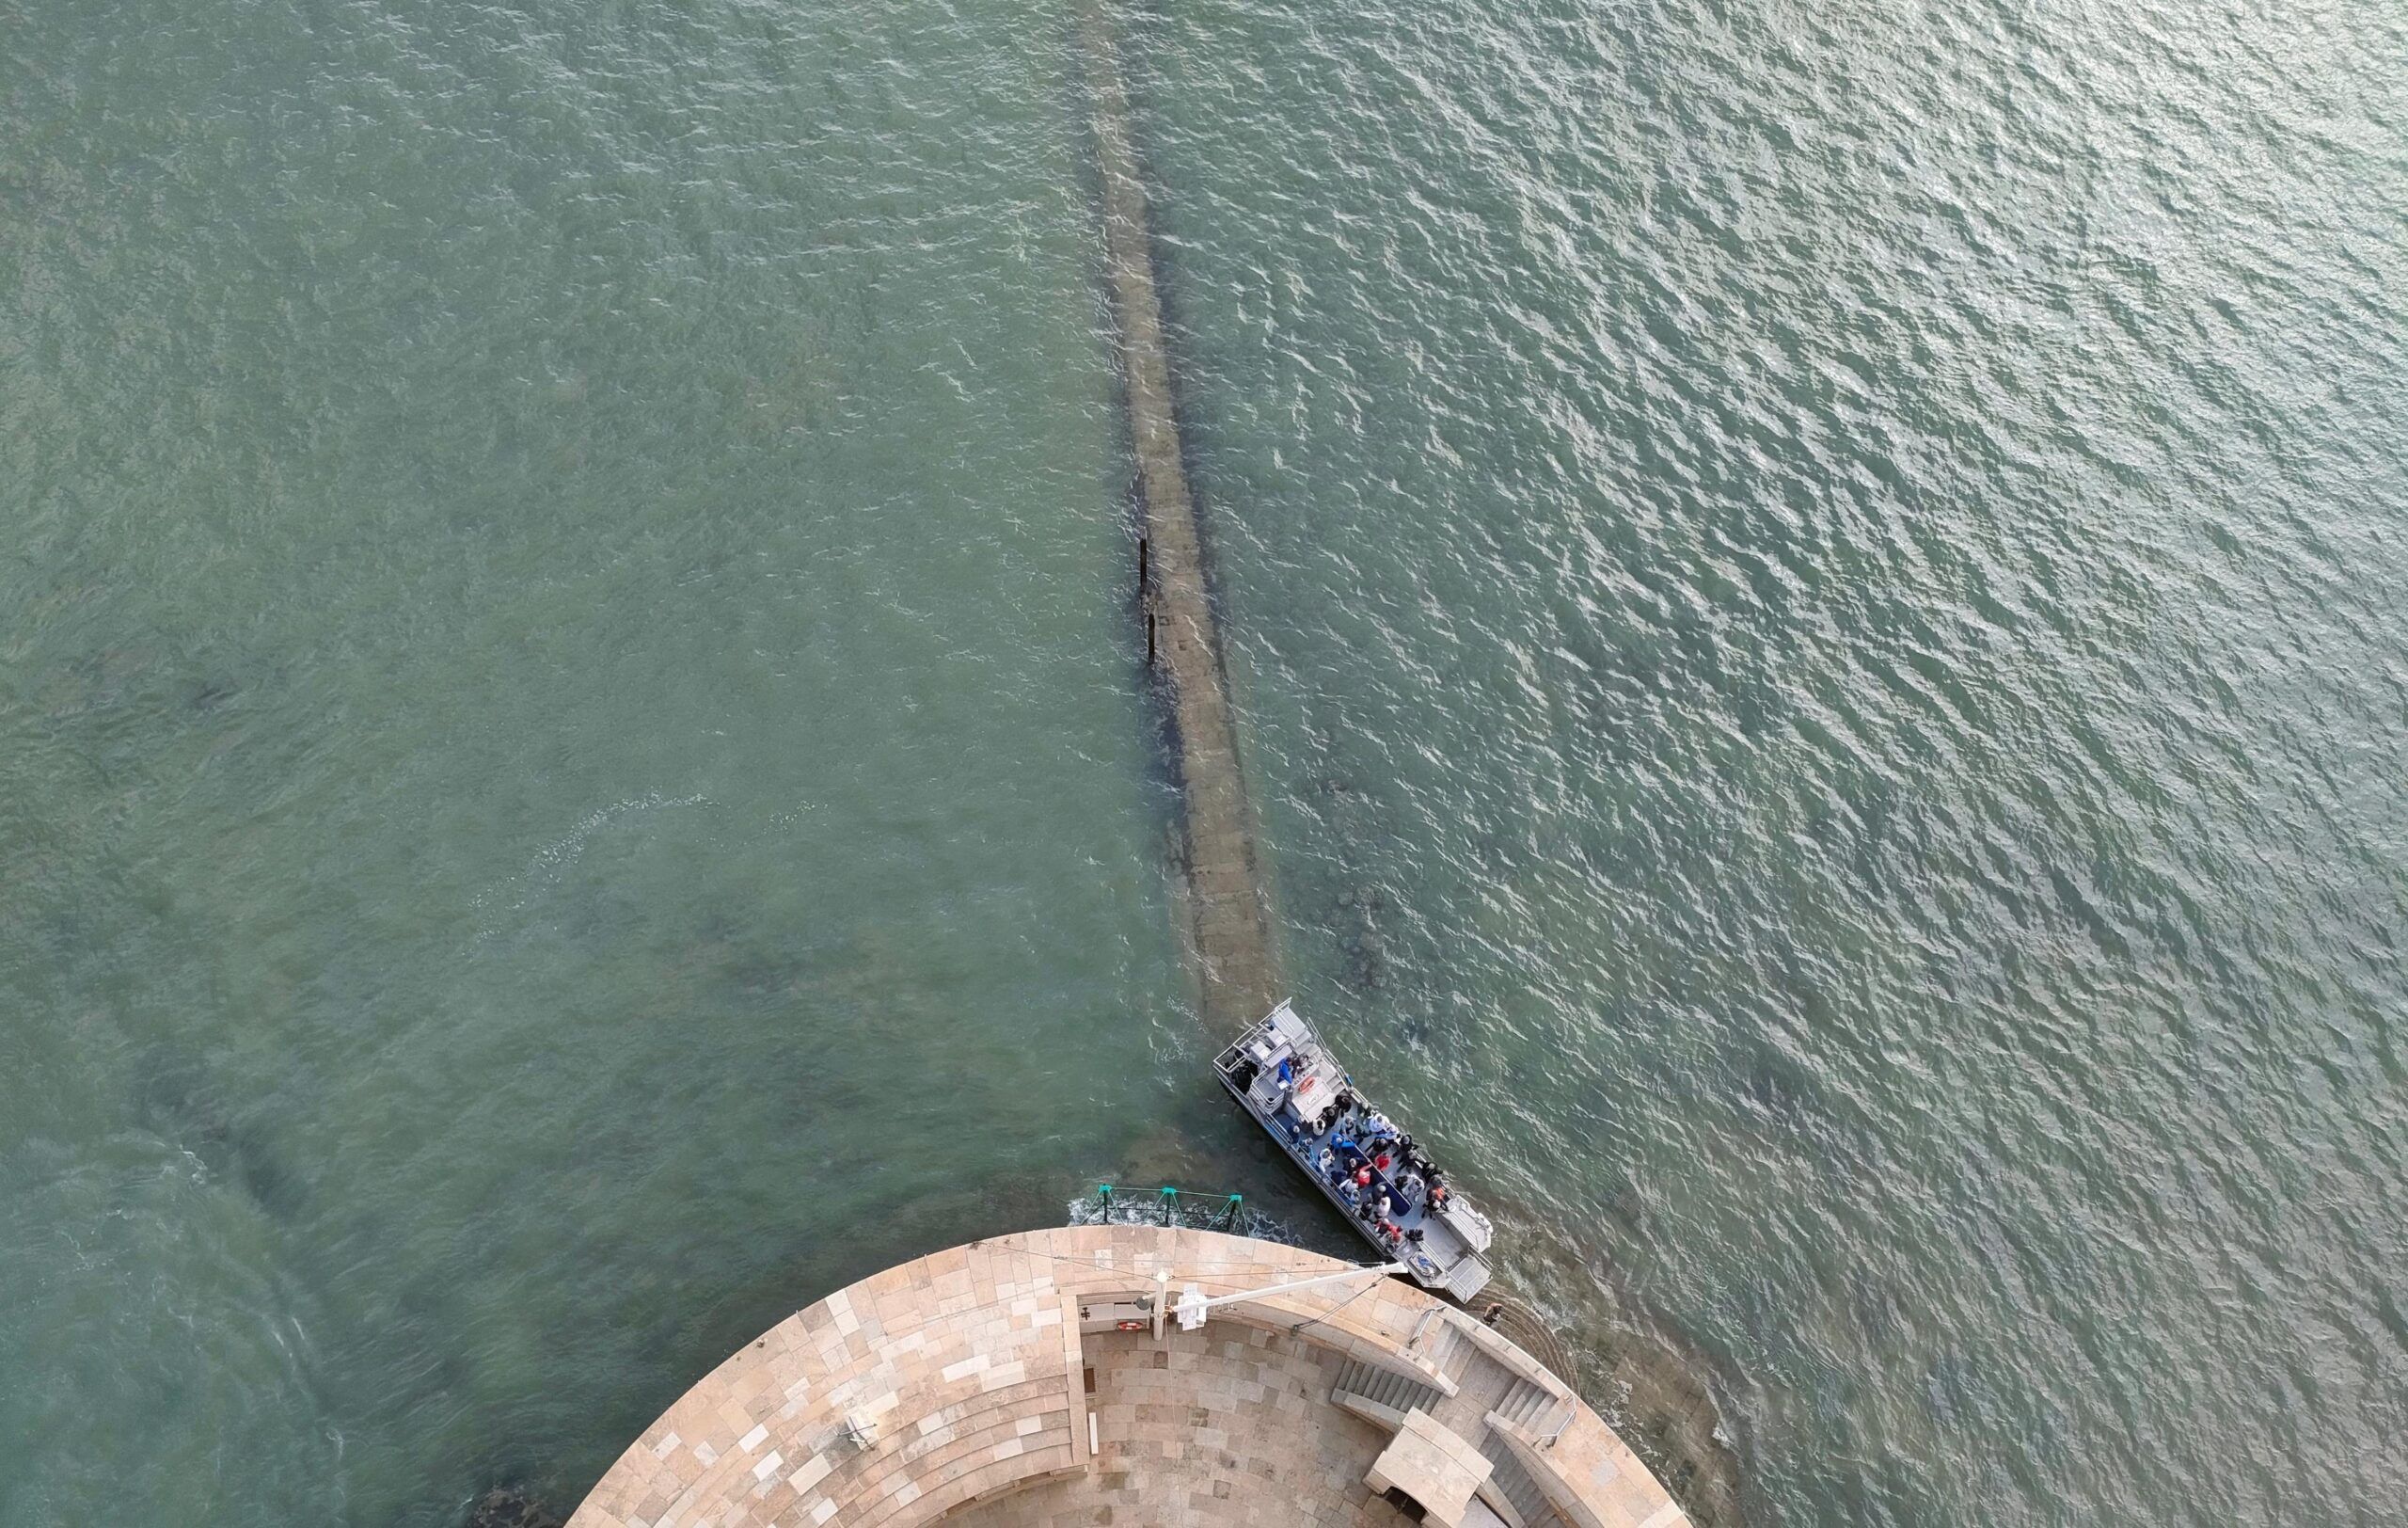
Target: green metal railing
[{"x": 1177, "y": 1208}]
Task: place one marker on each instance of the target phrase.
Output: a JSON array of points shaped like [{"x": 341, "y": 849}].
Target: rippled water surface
[{"x": 1821, "y": 597}]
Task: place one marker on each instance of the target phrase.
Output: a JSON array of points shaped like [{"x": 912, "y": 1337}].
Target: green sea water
[{"x": 1819, "y": 596}]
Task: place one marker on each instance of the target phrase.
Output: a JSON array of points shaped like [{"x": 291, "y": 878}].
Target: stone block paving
[
  {"x": 961, "y": 1387},
  {"x": 888, "y": 1402},
  {"x": 1223, "y": 1426}
]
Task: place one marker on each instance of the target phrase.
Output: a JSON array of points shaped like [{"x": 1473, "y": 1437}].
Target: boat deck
[{"x": 1284, "y": 1076}]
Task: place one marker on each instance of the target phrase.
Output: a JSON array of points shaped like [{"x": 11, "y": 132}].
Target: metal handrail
[{"x": 1223, "y": 1213}]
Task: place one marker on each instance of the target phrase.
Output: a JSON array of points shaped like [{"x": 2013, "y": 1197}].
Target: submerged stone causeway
[
  {"x": 1230, "y": 930},
  {"x": 1026, "y": 1382}
]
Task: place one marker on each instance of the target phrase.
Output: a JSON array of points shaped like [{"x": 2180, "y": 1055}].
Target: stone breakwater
[
  {"x": 1229, "y": 922},
  {"x": 1230, "y": 926},
  {"x": 1017, "y": 1383}
]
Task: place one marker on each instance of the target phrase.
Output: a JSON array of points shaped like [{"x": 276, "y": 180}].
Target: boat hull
[{"x": 1447, "y": 1257}]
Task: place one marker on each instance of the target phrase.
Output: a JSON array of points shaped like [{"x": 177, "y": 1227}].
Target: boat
[{"x": 1280, "y": 1072}]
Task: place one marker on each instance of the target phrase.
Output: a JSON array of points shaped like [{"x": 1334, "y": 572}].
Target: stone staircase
[
  {"x": 1491, "y": 1402},
  {"x": 1534, "y": 1412},
  {"x": 1384, "y": 1395},
  {"x": 1507, "y": 1479}
]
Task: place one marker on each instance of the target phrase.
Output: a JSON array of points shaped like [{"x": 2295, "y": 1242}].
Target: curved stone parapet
[{"x": 1024, "y": 1381}]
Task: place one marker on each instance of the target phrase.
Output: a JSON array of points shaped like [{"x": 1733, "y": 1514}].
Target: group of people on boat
[{"x": 1377, "y": 1170}]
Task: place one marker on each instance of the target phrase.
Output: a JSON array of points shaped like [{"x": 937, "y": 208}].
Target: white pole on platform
[{"x": 1194, "y": 1306}]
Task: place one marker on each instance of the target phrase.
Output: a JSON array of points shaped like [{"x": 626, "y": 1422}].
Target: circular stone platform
[{"x": 1024, "y": 1382}]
